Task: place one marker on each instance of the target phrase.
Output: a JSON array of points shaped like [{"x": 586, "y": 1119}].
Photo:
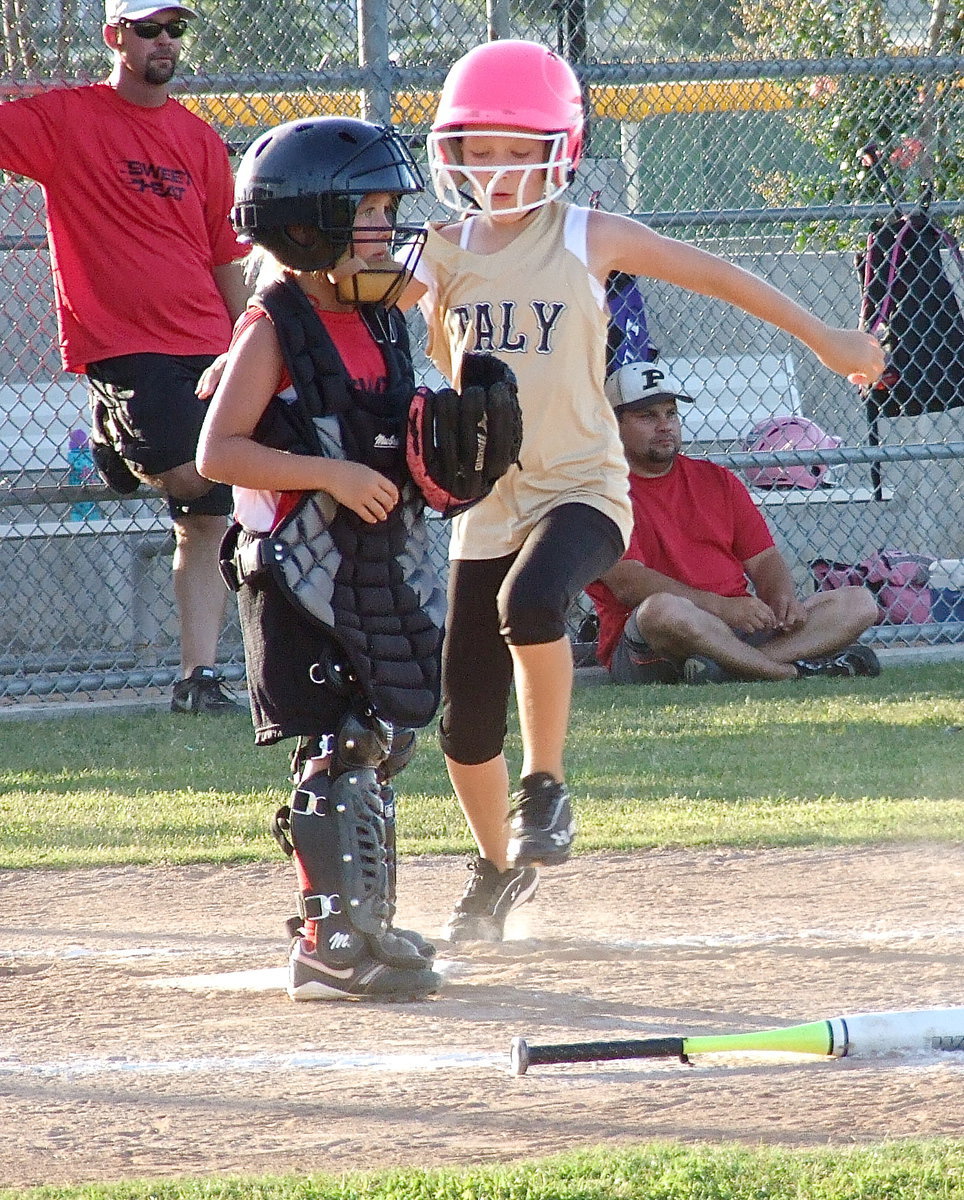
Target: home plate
[{"x": 265, "y": 979}]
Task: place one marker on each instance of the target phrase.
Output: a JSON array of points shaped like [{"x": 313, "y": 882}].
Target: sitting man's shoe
[
  {"x": 541, "y": 823},
  {"x": 850, "y": 661},
  {"x": 203, "y": 692},
  {"x": 310, "y": 977},
  {"x": 697, "y": 669},
  {"x": 489, "y": 897}
]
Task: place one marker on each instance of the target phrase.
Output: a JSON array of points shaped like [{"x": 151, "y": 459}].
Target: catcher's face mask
[{"x": 389, "y": 250}]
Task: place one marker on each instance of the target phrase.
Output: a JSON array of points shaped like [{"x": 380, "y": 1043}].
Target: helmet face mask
[
  {"x": 297, "y": 194},
  {"x": 451, "y": 176},
  {"x": 501, "y": 89}
]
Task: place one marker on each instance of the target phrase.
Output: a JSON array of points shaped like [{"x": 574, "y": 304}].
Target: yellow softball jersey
[{"x": 535, "y": 306}]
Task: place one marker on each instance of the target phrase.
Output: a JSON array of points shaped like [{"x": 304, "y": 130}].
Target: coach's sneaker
[
  {"x": 698, "y": 669},
  {"x": 202, "y": 692},
  {"x": 850, "y": 661},
  {"x": 311, "y": 978},
  {"x": 489, "y": 897},
  {"x": 541, "y": 823}
]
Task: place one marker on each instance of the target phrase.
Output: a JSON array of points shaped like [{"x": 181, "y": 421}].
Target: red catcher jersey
[{"x": 261, "y": 511}]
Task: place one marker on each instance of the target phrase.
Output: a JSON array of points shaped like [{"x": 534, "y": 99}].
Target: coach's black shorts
[{"x": 155, "y": 417}]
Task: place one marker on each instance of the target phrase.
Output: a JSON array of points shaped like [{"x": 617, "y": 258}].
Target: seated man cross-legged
[{"x": 702, "y": 593}]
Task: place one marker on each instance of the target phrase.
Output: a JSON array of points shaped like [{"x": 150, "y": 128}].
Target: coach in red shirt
[
  {"x": 148, "y": 284},
  {"x": 702, "y": 593}
]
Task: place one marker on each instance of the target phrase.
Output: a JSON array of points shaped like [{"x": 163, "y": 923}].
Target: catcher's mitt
[{"x": 460, "y": 444}]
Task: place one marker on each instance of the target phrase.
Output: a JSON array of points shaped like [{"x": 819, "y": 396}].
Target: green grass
[
  {"x": 825, "y": 762},
  {"x": 828, "y": 761},
  {"x": 658, "y": 1171}
]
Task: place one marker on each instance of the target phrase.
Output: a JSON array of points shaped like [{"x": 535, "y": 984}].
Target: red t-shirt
[
  {"x": 138, "y": 205},
  {"x": 696, "y": 524}
]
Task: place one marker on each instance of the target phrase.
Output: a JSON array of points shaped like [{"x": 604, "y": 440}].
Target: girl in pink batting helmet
[{"x": 521, "y": 274}]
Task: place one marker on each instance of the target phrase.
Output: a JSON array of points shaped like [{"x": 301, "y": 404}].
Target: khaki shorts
[{"x": 635, "y": 661}]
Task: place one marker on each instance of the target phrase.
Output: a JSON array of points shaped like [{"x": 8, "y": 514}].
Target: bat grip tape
[{"x": 526, "y": 1056}]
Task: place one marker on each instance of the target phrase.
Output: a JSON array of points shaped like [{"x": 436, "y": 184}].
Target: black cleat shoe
[
  {"x": 487, "y": 900},
  {"x": 541, "y": 823},
  {"x": 311, "y": 978},
  {"x": 698, "y": 669},
  {"x": 202, "y": 692},
  {"x": 852, "y": 660}
]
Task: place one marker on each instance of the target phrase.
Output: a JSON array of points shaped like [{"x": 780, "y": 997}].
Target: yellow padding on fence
[{"x": 622, "y": 102}]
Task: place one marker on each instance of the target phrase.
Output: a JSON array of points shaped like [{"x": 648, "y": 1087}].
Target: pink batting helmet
[
  {"x": 788, "y": 433},
  {"x": 508, "y": 84},
  {"x": 513, "y": 83}
]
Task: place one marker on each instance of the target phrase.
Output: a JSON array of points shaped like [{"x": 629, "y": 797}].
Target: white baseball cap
[
  {"x": 116, "y": 11},
  {"x": 639, "y": 384}
]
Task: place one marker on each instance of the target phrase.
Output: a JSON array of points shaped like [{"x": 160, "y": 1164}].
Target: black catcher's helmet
[{"x": 311, "y": 174}]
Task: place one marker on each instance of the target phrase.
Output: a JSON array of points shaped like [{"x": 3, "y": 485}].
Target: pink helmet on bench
[{"x": 788, "y": 433}]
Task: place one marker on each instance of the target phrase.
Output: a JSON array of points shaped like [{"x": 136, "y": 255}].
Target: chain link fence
[{"x": 742, "y": 125}]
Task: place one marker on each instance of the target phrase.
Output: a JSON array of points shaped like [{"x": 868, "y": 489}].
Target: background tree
[{"x": 916, "y": 121}]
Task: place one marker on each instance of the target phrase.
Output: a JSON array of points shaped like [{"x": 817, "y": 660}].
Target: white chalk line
[
  {"x": 695, "y": 941},
  {"x": 784, "y": 937},
  {"x": 266, "y": 979},
  {"x": 76, "y": 1068},
  {"x": 73, "y": 951},
  {"x": 12, "y": 1066}
]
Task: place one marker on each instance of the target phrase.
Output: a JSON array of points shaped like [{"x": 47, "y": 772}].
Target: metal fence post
[
  {"x": 376, "y": 95},
  {"x": 497, "y": 19}
]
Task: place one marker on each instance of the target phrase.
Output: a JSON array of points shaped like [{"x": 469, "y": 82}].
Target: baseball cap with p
[
  {"x": 637, "y": 385},
  {"x": 116, "y": 11}
]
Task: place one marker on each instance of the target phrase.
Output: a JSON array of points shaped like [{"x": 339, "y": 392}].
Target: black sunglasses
[{"x": 148, "y": 30}]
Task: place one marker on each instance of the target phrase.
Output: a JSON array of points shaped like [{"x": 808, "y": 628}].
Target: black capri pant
[{"x": 520, "y": 599}]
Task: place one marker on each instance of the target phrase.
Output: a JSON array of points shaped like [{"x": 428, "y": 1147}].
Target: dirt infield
[{"x": 118, "y": 1062}]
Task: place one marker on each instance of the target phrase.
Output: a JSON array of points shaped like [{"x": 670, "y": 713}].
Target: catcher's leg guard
[
  {"x": 422, "y": 945},
  {"x": 362, "y": 740},
  {"x": 400, "y": 754},
  {"x": 401, "y": 751},
  {"x": 348, "y": 951},
  {"x": 365, "y": 741}
]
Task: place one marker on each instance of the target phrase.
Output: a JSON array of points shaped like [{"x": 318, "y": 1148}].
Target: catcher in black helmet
[{"x": 340, "y": 605}]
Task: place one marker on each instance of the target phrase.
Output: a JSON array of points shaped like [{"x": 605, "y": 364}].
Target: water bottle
[{"x": 81, "y": 470}]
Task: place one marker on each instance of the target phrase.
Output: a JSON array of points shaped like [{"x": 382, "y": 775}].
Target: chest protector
[{"x": 373, "y": 588}]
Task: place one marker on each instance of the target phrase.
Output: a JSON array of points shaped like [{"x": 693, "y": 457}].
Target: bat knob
[{"x": 519, "y": 1056}]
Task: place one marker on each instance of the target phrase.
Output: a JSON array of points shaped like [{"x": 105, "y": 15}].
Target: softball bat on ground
[{"x": 861, "y": 1035}]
